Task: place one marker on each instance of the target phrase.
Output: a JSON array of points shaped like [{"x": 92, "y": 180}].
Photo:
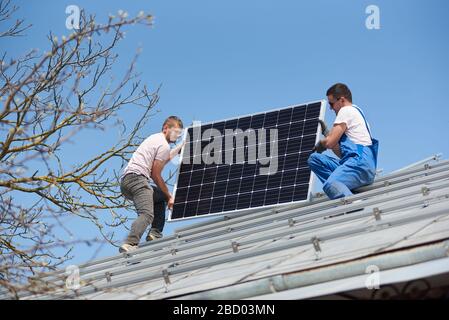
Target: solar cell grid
[{"x": 247, "y": 162}]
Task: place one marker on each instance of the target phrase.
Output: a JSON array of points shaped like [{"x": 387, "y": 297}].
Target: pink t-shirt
[{"x": 153, "y": 147}]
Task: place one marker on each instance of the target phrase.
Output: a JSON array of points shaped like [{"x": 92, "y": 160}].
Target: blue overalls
[{"x": 356, "y": 168}]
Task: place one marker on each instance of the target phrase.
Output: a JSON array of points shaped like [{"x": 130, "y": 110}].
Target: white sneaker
[{"x": 127, "y": 248}]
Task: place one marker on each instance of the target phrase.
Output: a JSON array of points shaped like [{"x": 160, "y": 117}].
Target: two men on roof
[{"x": 350, "y": 139}]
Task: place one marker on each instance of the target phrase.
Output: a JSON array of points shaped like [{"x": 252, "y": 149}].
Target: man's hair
[
  {"x": 339, "y": 90},
  {"x": 172, "y": 121}
]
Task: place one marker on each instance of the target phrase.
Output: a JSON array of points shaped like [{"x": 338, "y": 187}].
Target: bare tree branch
[{"x": 47, "y": 99}]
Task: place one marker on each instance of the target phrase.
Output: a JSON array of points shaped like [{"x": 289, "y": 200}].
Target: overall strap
[
  {"x": 374, "y": 143},
  {"x": 366, "y": 123}
]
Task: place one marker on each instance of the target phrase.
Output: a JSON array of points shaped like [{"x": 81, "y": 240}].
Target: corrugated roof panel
[{"x": 405, "y": 209}]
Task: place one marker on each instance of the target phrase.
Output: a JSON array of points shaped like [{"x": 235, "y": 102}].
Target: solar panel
[{"x": 252, "y": 161}]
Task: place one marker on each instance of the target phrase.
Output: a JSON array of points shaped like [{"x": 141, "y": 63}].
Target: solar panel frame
[{"x": 311, "y": 182}]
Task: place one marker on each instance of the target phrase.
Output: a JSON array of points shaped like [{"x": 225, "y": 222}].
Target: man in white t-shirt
[
  {"x": 146, "y": 166},
  {"x": 351, "y": 141}
]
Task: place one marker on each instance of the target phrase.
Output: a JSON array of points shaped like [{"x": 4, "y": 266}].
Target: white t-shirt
[
  {"x": 153, "y": 147},
  {"x": 355, "y": 125}
]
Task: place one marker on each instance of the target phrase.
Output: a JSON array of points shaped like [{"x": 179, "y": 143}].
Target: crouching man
[{"x": 351, "y": 140}]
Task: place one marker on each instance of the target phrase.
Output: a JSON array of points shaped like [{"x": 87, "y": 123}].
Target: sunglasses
[{"x": 332, "y": 103}]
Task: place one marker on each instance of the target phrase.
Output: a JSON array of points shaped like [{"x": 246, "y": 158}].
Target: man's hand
[
  {"x": 170, "y": 203},
  {"x": 176, "y": 150},
  {"x": 319, "y": 147}
]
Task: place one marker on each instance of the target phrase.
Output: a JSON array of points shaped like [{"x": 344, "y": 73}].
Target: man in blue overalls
[{"x": 351, "y": 140}]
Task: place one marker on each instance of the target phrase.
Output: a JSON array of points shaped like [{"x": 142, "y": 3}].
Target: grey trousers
[{"x": 149, "y": 202}]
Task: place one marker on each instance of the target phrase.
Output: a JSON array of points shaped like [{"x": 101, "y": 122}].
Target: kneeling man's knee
[{"x": 314, "y": 160}]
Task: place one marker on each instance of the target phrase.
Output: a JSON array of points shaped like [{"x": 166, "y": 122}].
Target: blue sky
[{"x": 221, "y": 59}]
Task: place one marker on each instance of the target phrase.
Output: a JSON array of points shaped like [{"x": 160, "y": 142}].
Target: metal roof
[{"x": 399, "y": 225}]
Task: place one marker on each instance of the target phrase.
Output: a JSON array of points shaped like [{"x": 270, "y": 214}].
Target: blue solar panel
[{"x": 223, "y": 162}]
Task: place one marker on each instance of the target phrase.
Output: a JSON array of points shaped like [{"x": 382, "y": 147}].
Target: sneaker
[
  {"x": 127, "y": 248},
  {"x": 151, "y": 237}
]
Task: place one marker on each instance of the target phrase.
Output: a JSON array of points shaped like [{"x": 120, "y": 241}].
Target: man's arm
[
  {"x": 176, "y": 150},
  {"x": 331, "y": 141},
  {"x": 156, "y": 172},
  {"x": 337, "y": 150},
  {"x": 325, "y": 132}
]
